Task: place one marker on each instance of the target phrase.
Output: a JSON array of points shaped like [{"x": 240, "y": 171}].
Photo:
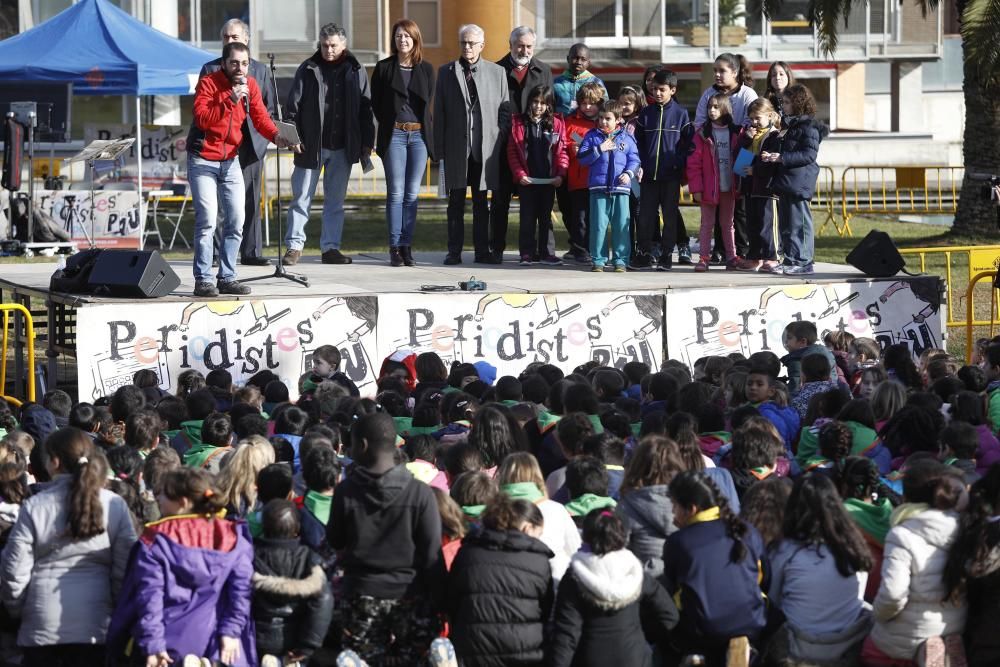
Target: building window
[{"x": 427, "y": 15}]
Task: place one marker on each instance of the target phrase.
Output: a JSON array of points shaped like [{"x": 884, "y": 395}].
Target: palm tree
[{"x": 980, "y": 25}]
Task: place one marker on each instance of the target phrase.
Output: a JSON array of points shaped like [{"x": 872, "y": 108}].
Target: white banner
[
  {"x": 511, "y": 331},
  {"x": 115, "y": 215},
  {"x": 244, "y": 337},
  {"x": 705, "y": 322}
]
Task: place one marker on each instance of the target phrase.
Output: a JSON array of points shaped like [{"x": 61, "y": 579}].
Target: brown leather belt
[{"x": 407, "y": 127}]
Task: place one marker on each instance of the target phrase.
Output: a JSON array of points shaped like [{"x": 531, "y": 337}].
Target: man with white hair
[
  {"x": 252, "y": 150},
  {"x": 524, "y": 72},
  {"x": 471, "y": 120}
]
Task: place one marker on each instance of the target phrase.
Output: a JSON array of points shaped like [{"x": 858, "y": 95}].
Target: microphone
[{"x": 246, "y": 98}]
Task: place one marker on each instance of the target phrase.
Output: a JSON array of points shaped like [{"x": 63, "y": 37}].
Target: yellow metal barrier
[
  {"x": 980, "y": 259},
  {"x": 970, "y": 313},
  {"x": 898, "y": 190},
  {"x": 824, "y": 202},
  {"x": 29, "y": 323}
]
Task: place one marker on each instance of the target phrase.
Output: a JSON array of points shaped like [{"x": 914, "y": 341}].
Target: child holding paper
[
  {"x": 762, "y": 214},
  {"x": 538, "y": 161}
]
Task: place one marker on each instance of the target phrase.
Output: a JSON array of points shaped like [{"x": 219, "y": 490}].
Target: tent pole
[{"x": 138, "y": 157}]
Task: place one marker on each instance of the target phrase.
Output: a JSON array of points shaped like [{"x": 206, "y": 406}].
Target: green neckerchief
[
  {"x": 254, "y": 524},
  {"x": 403, "y": 424},
  {"x": 509, "y": 403},
  {"x": 319, "y": 505},
  {"x": 724, "y": 436},
  {"x": 198, "y": 455},
  {"x": 473, "y": 511},
  {"x": 169, "y": 435},
  {"x": 907, "y": 511},
  {"x": 872, "y": 519},
  {"x": 547, "y": 420},
  {"x": 587, "y": 503},
  {"x": 762, "y": 472},
  {"x": 449, "y": 389},
  {"x": 951, "y": 461},
  {"x": 524, "y": 491},
  {"x": 636, "y": 428},
  {"x": 596, "y": 423},
  {"x": 192, "y": 429}
]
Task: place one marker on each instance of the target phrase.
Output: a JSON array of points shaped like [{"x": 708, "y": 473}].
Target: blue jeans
[
  {"x": 214, "y": 183},
  {"x": 404, "y": 166},
  {"x": 797, "y": 239},
  {"x": 336, "y": 174}
]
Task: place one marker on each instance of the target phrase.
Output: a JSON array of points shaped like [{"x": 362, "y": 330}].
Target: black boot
[
  {"x": 395, "y": 258},
  {"x": 407, "y": 253}
]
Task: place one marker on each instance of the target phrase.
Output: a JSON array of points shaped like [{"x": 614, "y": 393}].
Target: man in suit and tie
[{"x": 252, "y": 149}]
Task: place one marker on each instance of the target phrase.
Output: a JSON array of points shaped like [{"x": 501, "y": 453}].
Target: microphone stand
[{"x": 279, "y": 269}]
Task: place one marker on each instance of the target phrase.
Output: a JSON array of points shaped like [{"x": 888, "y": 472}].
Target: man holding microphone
[{"x": 222, "y": 101}]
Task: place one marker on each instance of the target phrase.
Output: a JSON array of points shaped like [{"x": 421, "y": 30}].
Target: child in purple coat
[{"x": 188, "y": 585}]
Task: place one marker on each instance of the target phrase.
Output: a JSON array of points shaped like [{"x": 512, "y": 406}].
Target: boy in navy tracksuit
[
  {"x": 613, "y": 158},
  {"x": 663, "y": 135}
]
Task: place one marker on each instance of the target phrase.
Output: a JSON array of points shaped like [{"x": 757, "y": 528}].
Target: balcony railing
[{"x": 694, "y": 31}]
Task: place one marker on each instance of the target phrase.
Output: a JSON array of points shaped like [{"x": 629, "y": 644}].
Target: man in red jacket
[{"x": 222, "y": 101}]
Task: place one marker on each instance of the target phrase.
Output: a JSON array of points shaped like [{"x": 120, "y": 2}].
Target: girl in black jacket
[
  {"x": 606, "y": 601},
  {"x": 500, "y": 588},
  {"x": 795, "y": 181}
]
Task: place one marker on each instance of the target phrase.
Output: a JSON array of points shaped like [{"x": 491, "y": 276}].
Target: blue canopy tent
[{"x": 103, "y": 50}]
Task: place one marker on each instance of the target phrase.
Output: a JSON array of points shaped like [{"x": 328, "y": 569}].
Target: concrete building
[{"x": 895, "y": 70}]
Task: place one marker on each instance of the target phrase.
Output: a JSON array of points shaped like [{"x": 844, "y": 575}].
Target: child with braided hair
[
  {"x": 716, "y": 567},
  {"x": 869, "y": 504},
  {"x": 188, "y": 586},
  {"x": 834, "y": 442}
]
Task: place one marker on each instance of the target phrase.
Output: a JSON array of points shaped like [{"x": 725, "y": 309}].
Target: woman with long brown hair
[{"x": 402, "y": 86}]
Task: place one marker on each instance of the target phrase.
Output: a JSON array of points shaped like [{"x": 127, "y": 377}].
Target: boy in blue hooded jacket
[{"x": 613, "y": 158}]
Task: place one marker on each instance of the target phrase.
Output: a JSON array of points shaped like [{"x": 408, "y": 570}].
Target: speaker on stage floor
[
  {"x": 132, "y": 273},
  {"x": 877, "y": 256}
]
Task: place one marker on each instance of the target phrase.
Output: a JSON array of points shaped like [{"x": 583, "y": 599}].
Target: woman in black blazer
[{"x": 402, "y": 86}]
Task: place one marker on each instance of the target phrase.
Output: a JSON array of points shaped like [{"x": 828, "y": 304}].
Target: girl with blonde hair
[
  {"x": 520, "y": 477},
  {"x": 238, "y": 477}
]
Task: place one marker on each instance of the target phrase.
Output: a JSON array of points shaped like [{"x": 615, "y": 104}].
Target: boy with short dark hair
[
  {"x": 762, "y": 393},
  {"x": 613, "y": 159},
  {"x": 664, "y": 134},
  {"x": 387, "y": 527},
  {"x": 800, "y": 339},
  {"x": 815, "y": 375},
  {"x": 326, "y": 366},
  {"x": 960, "y": 442},
  {"x": 216, "y": 438}
]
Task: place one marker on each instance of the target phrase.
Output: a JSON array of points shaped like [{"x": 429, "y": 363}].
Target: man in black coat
[
  {"x": 524, "y": 72},
  {"x": 252, "y": 150},
  {"x": 330, "y": 103}
]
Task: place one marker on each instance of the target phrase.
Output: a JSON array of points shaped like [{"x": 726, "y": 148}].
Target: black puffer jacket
[
  {"x": 292, "y": 602},
  {"x": 982, "y": 643},
  {"x": 604, "y": 606},
  {"x": 798, "y": 168},
  {"x": 499, "y": 595}
]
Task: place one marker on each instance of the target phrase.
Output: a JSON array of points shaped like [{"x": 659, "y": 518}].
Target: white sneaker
[{"x": 270, "y": 661}]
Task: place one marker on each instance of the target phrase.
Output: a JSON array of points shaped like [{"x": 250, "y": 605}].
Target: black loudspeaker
[
  {"x": 877, "y": 256},
  {"x": 132, "y": 273}
]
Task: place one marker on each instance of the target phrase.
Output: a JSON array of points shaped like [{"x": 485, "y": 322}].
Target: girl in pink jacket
[{"x": 711, "y": 180}]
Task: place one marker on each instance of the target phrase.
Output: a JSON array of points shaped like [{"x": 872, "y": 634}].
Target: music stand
[
  {"x": 279, "y": 268},
  {"x": 100, "y": 150}
]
